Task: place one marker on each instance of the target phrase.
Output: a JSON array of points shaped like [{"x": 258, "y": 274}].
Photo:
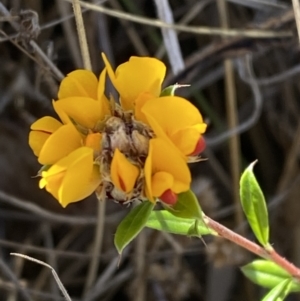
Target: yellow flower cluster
[{"x": 137, "y": 149}]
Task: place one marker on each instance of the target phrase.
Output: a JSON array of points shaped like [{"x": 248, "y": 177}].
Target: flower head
[
  {"x": 137, "y": 150},
  {"x": 138, "y": 82}
]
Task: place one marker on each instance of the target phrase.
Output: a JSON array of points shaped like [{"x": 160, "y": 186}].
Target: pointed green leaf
[
  {"x": 187, "y": 206},
  {"x": 279, "y": 292},
  {"x": 43, "y": 168},
  {"x": 163, "y": 220},
  {"x": 132, "y": 224},
  {"x": 170, "y": 90},
  {"x": 254, "y": 205},
  {"x": 268, "y": 274}
]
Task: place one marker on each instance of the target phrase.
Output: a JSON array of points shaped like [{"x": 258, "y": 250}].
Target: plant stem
[
  {"x": 269, "y": 254},
  {"x": 296, "y": 7},
  {"x": 81, "y": 35}
]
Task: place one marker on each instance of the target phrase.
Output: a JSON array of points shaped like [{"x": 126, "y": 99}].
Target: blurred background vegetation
[{"x": 244, "y": 82}]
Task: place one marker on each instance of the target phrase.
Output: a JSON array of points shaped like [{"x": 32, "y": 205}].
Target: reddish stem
[{"x": 269, "y": 254}]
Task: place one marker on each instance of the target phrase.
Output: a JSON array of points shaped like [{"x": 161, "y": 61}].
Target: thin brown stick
[
  {"x": 232, "y": 118},
  {"x": 97, "y": 247},
  {"x": 296, "y": 7},
  {"x": 260, "y": 34},
  {"x": 81, "y": 35},
  {"x": 59, "y": 283},
  {"x": 69, "y": 32}
]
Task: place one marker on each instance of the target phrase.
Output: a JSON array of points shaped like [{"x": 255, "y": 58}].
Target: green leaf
[
  {"x": 268, "y": 274},
  {"x": 254, "y": 205},
  {"x": 43, "y": 168},
  {"x": 187, "y": 206},
  {"x": 279, "y": 292},
  {"x": 170, "y": 90},
  {"x": 163, "y": 220},
  {"x": 132, "y": 224}
]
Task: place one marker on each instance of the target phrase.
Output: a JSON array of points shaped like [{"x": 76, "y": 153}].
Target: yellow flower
[
  {"x": 136, "y": 150},
  {"x": 138, "y": 82},
  {"x": 81, "y": 99},
  {"x": 175, "y": 118},
  {"x": 72, "y": 178},
  {"x": 81, "y": 106},
  {"x": 138, "y": 75},
  {"x": 166, "y": 172},
  {"x": 72, "y": 174}
]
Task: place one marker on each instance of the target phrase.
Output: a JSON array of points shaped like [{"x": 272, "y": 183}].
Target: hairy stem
[{"x": 269, "y": 254}]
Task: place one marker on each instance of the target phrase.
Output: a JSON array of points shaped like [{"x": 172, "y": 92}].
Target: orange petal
[
  {"x": 93, "y": 141},
  {"x": 123, "y": 173}
]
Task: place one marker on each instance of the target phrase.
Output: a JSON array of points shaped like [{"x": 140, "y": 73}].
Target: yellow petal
[
  {"x": 148, "y": 171},
  {"x": 139, "y": 103},
  {"x": 103, "y": 101},
  {"x": 123, "y": 173},
  {"x": 61, "y": 143},
  {"x": 41, "y": 130},
  {"x": 177, "y": 119},
  {"x": 161, "y": 181},
  {"x": 81, "y": 178},
  {"x": 84, "y": 111},
  {"x": 51, "y": 183},
  {"x": 109, "y": 70},
  {"x": 37, "y": 140},
  {"x": 79, "y": 83},
  {"x": 138, "y": 75},
  {"x": 101, "y": 84},
  {"x": 174, "y": 113},
  {"x": 161, "y": 133},
  {"x": 46, "y": 124},
  {"x": 52, "y": 178},
  {"x": 61, "y": 113},
  {"x": 72, "y": 178},
  {"x": 186, "y": 139},
  {"x": 62, "y": 164},
  {"x": 163, "y": 157}
]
